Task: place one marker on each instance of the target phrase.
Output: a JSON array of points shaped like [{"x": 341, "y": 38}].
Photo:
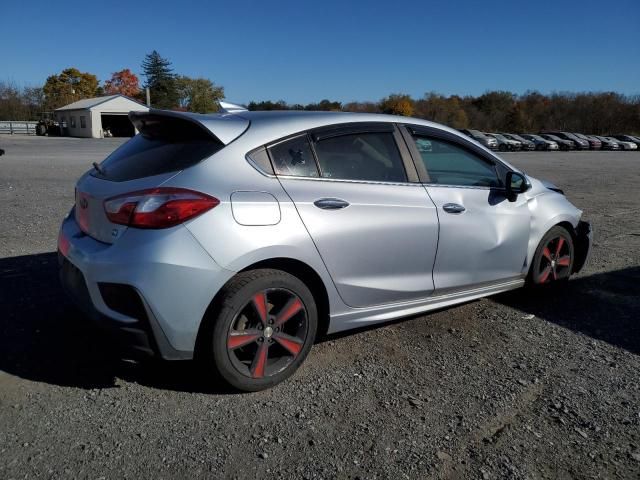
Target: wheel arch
[{"x": 298, "y": 269}]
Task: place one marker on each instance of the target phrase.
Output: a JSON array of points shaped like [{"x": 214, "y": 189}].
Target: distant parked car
[
  {"x": 541, "y": 143},
  {"x": 480, "y": 137},
  {"x": 594, "y": 143},
  {"x": 596, "y": 139},
  {"x": 624, "y": 145},
  {"x": 526, "y": 144},
  {"x": 608, "y": 144},
  {"x": 562, "y": 143},
  {"x": 505, "y": 144},
  {"x": 627, "y": 138},
  {"x": 580, "y": 143}
]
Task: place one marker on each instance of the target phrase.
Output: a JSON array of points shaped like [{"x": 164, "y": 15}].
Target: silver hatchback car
[{"x": 240, "y": 237}]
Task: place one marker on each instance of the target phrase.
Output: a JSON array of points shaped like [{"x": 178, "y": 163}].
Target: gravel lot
[{"x": 522, "y": 385}]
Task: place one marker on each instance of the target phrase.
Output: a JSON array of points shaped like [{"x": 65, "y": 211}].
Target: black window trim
[
  {"x": 341, "y": 129},
  {"x": 408, "y": 130}
]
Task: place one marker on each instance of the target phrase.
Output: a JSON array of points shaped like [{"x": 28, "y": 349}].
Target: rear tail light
[{"x": 157, "y": 207}]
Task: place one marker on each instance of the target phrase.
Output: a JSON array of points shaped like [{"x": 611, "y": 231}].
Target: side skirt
[{"x": 361, "y": 317}]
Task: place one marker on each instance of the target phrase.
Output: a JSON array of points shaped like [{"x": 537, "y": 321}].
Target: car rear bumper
[
  {"x": 151, "y": 288},
  {"x": 584, "y": 242},
  {"x": 136, "y": 339}
]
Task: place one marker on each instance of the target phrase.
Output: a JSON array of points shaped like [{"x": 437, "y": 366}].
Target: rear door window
[
  {"x": 294, "y": 157},
  {"x": 366, "y": 156}
]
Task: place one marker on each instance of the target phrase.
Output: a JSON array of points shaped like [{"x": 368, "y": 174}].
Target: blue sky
[{"x": 342, "y": 50}]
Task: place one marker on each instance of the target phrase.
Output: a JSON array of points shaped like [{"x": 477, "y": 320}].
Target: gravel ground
[{"x": 522, "y": 385}]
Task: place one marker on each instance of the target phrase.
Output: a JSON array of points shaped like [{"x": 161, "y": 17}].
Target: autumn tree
[
  {"x": 501, "y": 111},
  {"x": 494, "y": 107},
  {"x": 268, "y": 105},
  {"x": 11, "y": 107},
  {"x": 69, "y": 86},
  {"x": 161, "y": 81},
  {"x": 324, "y": 105},
  {"x": 124, "y": 82},
  {"x": 362, "y": 107},
  {"x": 199, "y": 95},
  {"x": 397, "y": 104},
  {"x": 441, "y": 109}
]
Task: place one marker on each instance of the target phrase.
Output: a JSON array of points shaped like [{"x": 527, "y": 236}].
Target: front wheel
[
  {"x": 263, "y": 329},
  {"x": 553, "y": 260}
]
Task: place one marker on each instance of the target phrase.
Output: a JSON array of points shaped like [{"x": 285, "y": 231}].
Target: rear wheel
[
  {"x": 553, "y": 259},
  {"x": 263, "y": 329}
]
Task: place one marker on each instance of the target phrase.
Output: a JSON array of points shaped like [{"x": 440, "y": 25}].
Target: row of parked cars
[{"x": 553, "y": 140}]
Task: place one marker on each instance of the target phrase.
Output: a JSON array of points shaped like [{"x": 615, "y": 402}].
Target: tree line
[
  {"x": 589, "y": 112},
  {"x": 168, "y": 90},
  {"x": 500, "y": 111}
]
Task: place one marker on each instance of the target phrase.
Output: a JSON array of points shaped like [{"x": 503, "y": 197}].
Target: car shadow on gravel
[
  {"x": 44, "y": 338},
  {"x": 604, "y": 306}
]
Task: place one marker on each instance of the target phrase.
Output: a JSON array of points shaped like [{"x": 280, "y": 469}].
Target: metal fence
[{"x": 23, "y": 128}]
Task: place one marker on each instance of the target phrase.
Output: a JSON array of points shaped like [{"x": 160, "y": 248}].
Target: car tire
[
  {"x": 503, "y": 148},
  {"x": 553, "y": 261},
  {"x": 263, "y": 326}
]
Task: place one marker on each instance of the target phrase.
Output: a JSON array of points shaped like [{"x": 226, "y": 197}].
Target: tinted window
[
  {"x": 450, "y": 164},
  {"x": 168, "y": 146},
  {"x": 294, "y": 157},
  {"x": 260, "y": 159},
  {"x": 361, "y": 156}
]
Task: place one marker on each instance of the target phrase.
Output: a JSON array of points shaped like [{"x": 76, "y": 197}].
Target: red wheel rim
[
  {"x": 268, "y": 333},
  {"x": 555, "y": 260}
]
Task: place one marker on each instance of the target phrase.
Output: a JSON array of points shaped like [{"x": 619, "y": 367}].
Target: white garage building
[{"x": 91, "y": 117}]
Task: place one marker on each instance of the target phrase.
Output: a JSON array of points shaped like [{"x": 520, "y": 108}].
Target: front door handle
[
  {"x": 331, "y": 203},
  {"x": 453, "y": 208}
]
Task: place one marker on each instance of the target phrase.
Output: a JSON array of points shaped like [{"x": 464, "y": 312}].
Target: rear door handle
[
  {"x": 331, "y": 203},
  {"x": 453, "y": 208}
]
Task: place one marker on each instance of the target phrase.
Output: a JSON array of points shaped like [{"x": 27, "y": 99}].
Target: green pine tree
[{"x": 161, "y": 81}]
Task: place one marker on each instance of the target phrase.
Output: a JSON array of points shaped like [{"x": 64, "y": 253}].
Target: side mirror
[{"x": 516, "y": 184}]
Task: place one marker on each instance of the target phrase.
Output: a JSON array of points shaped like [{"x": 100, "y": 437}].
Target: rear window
[{"x": 164, "y": 145}]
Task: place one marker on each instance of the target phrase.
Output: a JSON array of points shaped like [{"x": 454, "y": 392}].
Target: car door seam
[{"x": 312, "y": 241}]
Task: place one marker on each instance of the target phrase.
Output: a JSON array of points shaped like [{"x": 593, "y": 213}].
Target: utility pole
[{"x": 148, "y": 97}]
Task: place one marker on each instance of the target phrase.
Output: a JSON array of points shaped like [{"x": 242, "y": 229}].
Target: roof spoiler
[{"x": 224, "y": 128}]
